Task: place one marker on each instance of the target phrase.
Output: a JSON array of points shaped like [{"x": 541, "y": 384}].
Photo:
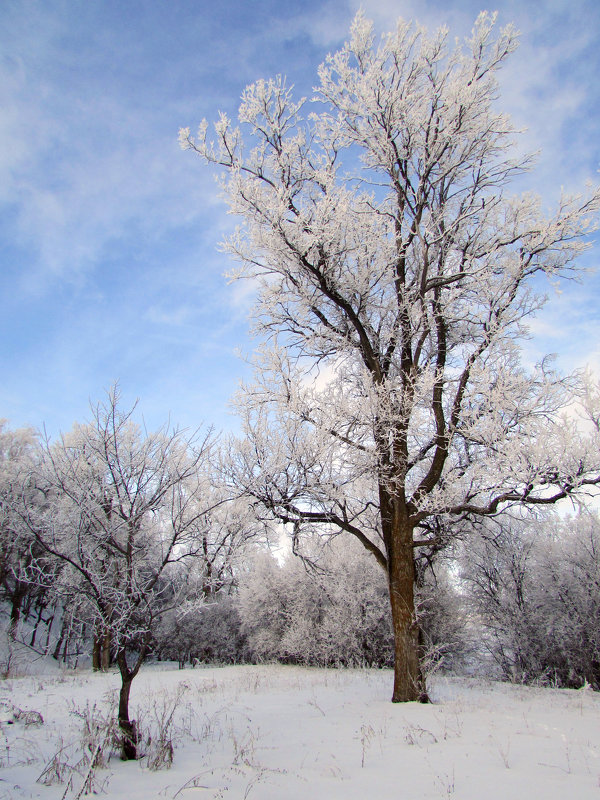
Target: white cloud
[{"x": 80, "y": 169}]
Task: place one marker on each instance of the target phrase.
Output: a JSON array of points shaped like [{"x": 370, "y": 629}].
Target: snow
[{"x": 271, "y": 732}]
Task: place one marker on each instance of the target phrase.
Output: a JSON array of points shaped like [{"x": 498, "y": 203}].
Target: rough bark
[
  {"x": 101, "y": 652},
  {"x": 127, "y": 726},
  {"x": 409, "y": 682}
]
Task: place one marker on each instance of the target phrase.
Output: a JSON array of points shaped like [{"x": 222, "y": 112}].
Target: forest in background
[{"x": 119, "y": 544}]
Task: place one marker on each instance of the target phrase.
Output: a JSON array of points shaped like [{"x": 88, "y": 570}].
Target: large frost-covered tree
[{"x": 396, "y": 276}]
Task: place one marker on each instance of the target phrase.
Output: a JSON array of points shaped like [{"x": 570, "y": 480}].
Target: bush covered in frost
[
  {"x": 210, "y": 633},
  {"x": 337, "y": 613},
  {"x": 535, "y": 589}
]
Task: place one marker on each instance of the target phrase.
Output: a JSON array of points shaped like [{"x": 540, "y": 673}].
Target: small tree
[
  {"x": 390, "y": 257},
  {"x": 119, "y": 506}
]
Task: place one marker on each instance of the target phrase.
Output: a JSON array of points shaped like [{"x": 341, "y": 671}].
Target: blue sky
[{"x": 109, "y": 261}]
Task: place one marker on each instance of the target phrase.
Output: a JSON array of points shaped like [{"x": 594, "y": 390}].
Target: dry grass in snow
[{"x": 273, "y": 732}]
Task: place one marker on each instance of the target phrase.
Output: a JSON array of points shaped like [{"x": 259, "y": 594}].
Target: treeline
[
  {"x": 515, "y": 600},
  {"x": 117, "y": 545}
]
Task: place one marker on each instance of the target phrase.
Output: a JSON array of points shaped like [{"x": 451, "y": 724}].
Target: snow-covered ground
[{"x": 275, "y": 733}]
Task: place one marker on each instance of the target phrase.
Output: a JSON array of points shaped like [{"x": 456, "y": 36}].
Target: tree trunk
[
  {"x": 65, "y": 653},
  {"x": 101, "y": 651},
  {"x": 15, "y": 611},
  {"x": 50, "y": 623},
  {"x": 409, "y": 682},
  {"x": 96, "y": 654},
  {"x": 127, "y": 726},
  {"x": 40, "y": 614},
  {"x": 105, "y": 658},
  {"x": 56, "y": 653}
]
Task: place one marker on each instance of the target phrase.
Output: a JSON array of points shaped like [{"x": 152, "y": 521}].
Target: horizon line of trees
[{"x": 117, "y": 545}]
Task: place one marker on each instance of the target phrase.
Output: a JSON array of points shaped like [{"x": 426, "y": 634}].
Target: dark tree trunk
[
  {"x": 65, "y": 653},
  {"x": 409, "y": 682},
  {"x": 128, "y": 727},
  {"x": 101, "y": 652},
  {"x": 96, "y": 654},
  {"x": 41, "y": 608},
  {"x": 15, "y": 610},
  {"x": 105, "y": 657},
  {"x": 56, "y": 653},
  {"x": 49, "y": 625}
]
